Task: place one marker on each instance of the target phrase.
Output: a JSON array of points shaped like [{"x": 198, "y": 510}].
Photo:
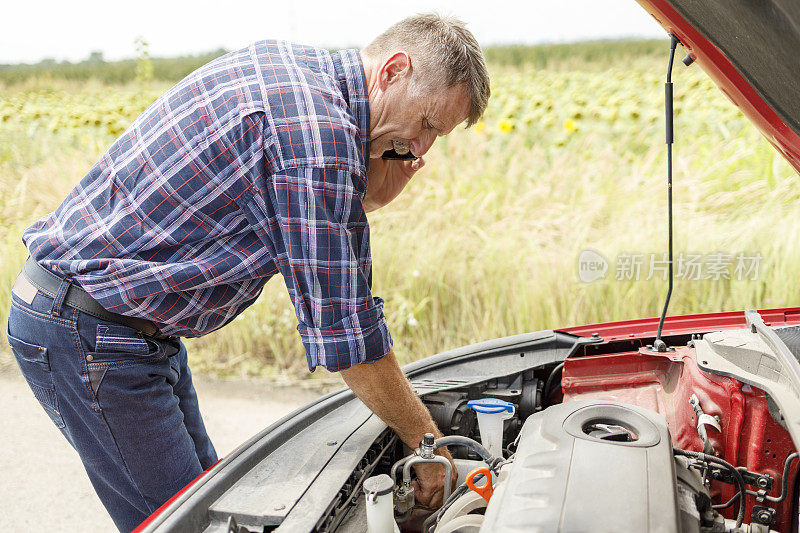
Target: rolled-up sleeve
[{"x": 321, "y": 245}]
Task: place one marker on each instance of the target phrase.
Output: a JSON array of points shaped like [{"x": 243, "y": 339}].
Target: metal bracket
[
  {"x": 704, "y": 420},
  {"x": 754, "y": 479},
  {"x": 708, "y": 420},
  {"x": 763, "y": 515}
]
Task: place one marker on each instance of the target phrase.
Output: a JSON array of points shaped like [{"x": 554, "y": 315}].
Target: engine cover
[{"x": 588, "y": 466}]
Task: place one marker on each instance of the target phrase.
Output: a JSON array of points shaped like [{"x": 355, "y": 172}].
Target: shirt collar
[{"x": 353, "y": 82}]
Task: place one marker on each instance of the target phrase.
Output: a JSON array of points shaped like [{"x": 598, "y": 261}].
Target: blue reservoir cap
[{"x": 491, "y": 406}]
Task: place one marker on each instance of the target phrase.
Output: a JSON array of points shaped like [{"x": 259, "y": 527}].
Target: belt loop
[{"x": 58, "y": 299}]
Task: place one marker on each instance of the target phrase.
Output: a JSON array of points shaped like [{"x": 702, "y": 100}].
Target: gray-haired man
[{"x": 263, "y": 161}]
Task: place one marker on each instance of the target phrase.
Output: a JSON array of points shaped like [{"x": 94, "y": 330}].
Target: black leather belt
[{"x": 49, "y": 283}]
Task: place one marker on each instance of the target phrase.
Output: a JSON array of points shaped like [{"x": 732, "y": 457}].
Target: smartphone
[{"x": 392, "y": 154}]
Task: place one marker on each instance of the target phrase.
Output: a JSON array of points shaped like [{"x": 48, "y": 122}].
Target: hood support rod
[{"x": 660, "y": 345}]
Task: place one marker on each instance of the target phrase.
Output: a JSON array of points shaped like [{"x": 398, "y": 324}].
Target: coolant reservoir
[
  {"x": 380, "y": 504},
  {"x": 491, "y": 414}
]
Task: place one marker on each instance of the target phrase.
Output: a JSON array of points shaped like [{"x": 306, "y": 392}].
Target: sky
[{"x": 71, "y": 30}]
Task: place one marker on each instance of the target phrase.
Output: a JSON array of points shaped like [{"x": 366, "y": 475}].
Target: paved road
[{"x": 44, "y": 486}]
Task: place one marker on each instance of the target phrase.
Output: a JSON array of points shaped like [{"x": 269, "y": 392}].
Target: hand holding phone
[{"x": 386, "y": 179}]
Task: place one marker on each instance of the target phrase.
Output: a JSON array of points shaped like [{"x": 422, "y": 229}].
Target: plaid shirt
[{"x": 252, "y": 165}]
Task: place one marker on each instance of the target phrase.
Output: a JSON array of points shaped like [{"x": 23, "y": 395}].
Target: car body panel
[{"x": 684, "y": 324}]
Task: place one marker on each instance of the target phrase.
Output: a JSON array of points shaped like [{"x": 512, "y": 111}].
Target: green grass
[
  {"x": 591, "y": 54},
  {"x": 484, "y": 242},
  {"x": 113, "y": 72}
]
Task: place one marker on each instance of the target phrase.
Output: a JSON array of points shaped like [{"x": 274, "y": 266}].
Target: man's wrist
[{"x": 383, "y": 387}]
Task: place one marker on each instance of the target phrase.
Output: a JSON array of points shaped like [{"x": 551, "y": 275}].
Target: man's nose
[{"x": 422, "y": 144}]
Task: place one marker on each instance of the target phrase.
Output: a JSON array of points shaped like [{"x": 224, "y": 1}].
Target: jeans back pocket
[{"x": 34, "y": 363}]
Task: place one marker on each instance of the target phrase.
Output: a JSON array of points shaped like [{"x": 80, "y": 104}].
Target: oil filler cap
[
  {"x": 612, "y": 424},
  {"x": 612, "y": 432}
]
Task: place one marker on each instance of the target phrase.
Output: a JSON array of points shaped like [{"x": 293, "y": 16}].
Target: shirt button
[{"x": 89, "y": 358}]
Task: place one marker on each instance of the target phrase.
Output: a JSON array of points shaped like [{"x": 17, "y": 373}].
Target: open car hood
[{"x": 752, "y": 52}]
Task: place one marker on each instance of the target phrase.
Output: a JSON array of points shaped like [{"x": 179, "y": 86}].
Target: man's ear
[{"x": 395, "y": 68}]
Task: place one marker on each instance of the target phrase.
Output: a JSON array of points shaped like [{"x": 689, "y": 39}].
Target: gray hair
[{"x": 444, "y": 53}]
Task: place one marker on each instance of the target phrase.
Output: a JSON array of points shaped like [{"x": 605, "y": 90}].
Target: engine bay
[
  {"x": 564, "y": 431},
  {"x": 614, "y": 438}
]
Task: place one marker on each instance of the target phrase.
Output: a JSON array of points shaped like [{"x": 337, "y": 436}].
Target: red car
[{"x": 617, "y": 427}]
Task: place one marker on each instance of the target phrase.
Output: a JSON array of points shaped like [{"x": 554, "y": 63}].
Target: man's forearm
[{"x": 383, "y": 387}]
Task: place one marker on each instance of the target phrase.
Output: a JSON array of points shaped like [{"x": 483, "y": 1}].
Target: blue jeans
[{"x": 123, "y": 400}]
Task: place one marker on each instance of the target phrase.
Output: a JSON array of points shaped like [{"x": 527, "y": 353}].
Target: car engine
[
  {"x": 567, "y": 460},
  {"x": 591, "y": 466},
  {"x": 616, "y": 442},
  {"x": 550, "y": 432}
]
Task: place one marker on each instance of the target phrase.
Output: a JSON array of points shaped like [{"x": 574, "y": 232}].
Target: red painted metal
[
  {"x": 720, "y": 69},
  {"x": 663, "y": 382},
  {"x": 683, "y": 324}
]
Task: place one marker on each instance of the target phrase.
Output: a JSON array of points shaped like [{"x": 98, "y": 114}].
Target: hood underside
[{"x": 752, "y": 52}]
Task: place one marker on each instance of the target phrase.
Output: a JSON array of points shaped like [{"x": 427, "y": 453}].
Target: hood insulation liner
[{"x": 762, "y": 40}]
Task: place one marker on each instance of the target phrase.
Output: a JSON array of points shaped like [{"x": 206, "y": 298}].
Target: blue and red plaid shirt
[{"x": 252, "y": 165}]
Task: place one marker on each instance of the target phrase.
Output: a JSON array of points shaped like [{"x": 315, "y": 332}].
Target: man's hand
[
  {"x": 386, "y": 179},
  {"x": 429, "y": 491},
  {"x": 383, "y": 387}
]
